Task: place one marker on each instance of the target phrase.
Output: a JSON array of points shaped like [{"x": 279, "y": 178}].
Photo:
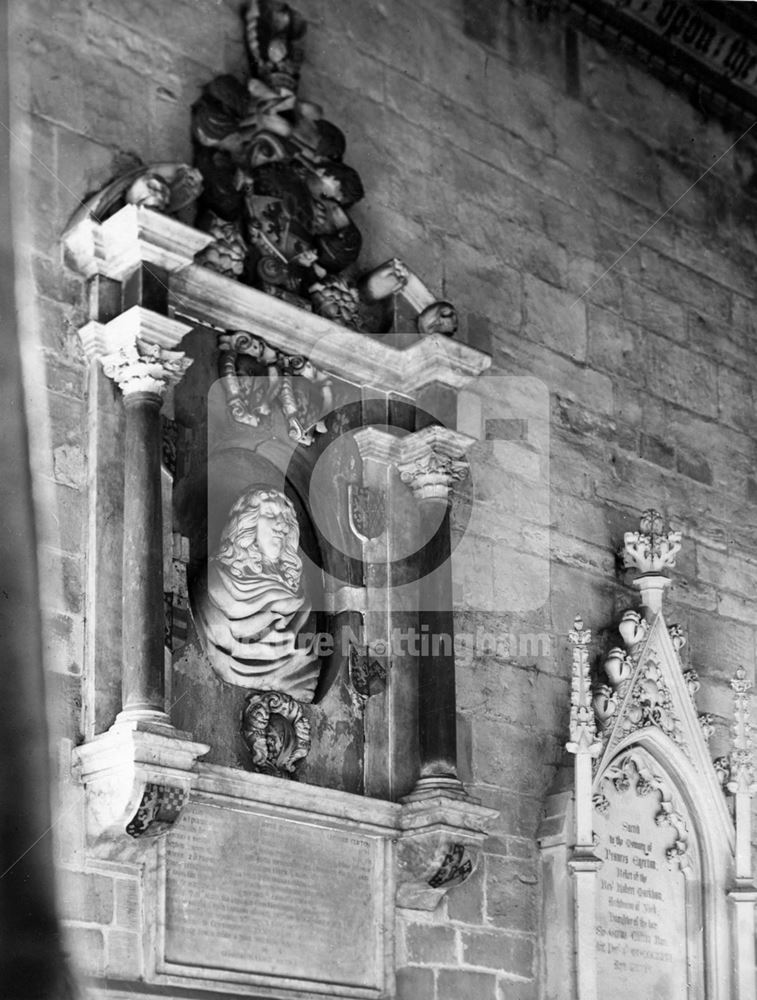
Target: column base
[
  {"x": 434, "y": 785},
  {"x": 148, "y": 720}
]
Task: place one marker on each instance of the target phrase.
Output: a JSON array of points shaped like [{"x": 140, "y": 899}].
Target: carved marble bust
[{"x": 251, "y": 607}]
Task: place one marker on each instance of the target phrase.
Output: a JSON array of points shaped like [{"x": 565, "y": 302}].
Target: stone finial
[
  {"x": 651, "y": 549},
  {"x": 583, "y": 727},
  {"x": 742, "y": 773},
  {"x": 144, "y": 367},
  {"x": 633, "y": 629}
]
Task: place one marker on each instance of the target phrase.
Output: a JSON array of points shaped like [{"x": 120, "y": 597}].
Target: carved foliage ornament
[
  {"x": 583, "y": 728},
  {"x": 145, "y": 367},
  {"x": 651, "y": 549},
  {"x": 632, "y": 771},
  {"x": 741, "y": 772},
  {"x": 648, "y": 702}
]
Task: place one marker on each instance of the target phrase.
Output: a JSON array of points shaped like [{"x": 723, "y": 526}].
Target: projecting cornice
[
  {"x": 196, "y": 295},
  {"x": 203, "y": 296}
]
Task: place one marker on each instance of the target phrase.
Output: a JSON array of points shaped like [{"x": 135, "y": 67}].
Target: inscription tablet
[
  {"x": 643, "y": 941},
  {"x": 247, "y": 893}
]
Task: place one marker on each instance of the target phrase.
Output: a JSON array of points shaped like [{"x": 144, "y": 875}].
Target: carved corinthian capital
[
  {"x": 143, "y": 367},
  {"x": 432, "y": 460},
  {"x": 135, "y": 350}
]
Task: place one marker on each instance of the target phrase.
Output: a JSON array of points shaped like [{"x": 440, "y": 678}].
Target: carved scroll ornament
[{"x": 257, "y": 376}]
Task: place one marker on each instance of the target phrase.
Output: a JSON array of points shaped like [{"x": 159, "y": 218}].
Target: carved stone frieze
[{"x": 277, "y": 732}]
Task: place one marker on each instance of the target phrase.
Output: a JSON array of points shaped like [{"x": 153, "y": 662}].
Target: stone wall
[{"x": 516, "y": 167}]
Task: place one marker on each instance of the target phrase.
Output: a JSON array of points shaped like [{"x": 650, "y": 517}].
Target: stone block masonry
[{"x": 512, "y": 175}]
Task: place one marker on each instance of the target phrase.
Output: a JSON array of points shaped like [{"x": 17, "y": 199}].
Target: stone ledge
[{"x": 203, "y": 296}]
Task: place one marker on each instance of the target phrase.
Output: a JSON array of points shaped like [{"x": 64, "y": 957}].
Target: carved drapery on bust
[{"x": 251, "y": 606}]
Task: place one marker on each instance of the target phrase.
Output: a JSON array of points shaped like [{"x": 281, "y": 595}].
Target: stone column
[
  {"x": 430, "y": 461},
  {"x": 143, "y": 371}
]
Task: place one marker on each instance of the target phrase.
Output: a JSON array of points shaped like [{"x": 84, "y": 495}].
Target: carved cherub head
[
  {"x": 439, "y": 317},
  {"x": 261, "y": 536}
]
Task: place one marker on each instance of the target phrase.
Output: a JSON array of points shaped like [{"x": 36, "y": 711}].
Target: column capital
[
  {"x": 145, "y": 368},
  {"x": 429, "y": 461},
  {"x": 135, "y": 350}
]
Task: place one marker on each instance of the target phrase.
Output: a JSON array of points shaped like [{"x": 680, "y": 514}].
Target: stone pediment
[{"x": 655, "y": 705}]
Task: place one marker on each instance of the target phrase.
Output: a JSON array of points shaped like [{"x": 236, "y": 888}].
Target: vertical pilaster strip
[
  {"x": 584, "y": 863},
  {"x": 742, "y": 786}
]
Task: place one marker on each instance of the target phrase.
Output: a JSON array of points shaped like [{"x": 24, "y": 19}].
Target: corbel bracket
[
  {"x": 439, "y": 846},
  {"x": 137, "y": 782}
]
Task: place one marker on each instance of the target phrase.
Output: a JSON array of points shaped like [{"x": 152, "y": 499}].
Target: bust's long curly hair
[{"x": 238, "y": 549}]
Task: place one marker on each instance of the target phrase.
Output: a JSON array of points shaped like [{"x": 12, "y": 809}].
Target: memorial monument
[
  {"x": 641, "y": 854},
  {"x": 328, "y": 793}
]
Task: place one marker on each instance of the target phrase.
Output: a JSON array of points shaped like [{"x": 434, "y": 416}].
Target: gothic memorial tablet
[{"x": 643, "y": 928}]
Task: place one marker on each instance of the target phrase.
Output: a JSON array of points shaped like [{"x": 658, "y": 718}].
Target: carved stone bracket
[
  {"x": 137, "y": 782},
  {"x": 439, "y": 846}
]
